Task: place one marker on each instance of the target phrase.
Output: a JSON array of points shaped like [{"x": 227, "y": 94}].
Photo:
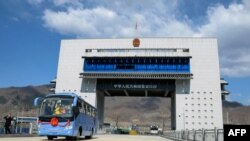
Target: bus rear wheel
[
  {"x": 69, "y": 138},
  {"x": 90, "y": 136}
]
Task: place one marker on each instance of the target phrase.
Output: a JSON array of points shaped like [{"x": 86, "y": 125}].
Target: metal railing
[
  {"x": 23, "y": 128},
  {"x": 195, "y": 135}
]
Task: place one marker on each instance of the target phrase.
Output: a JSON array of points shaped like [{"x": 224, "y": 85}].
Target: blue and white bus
[{"x": 65, "y": 115}]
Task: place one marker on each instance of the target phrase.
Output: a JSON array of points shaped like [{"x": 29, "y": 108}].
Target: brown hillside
[{"x": 18, "y": 100}]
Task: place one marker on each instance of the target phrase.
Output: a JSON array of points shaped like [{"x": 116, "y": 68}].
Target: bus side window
[
  {"x": 83, "y": 109},
  {"x": 91, "y": 111},
  {"x": 79, "y": 106},
  {"x": 88, "y": 110}
]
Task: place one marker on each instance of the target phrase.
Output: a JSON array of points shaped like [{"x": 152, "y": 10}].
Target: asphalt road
[{"x": 95, "y": 138}]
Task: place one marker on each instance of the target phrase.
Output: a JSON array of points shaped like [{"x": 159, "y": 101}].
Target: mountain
[
  {"x": 137, "y": 110},
  {"x": 122, "y": 111},
  {"x": 235, "y": 113},
  {"x": 231, "y": 104},
  {"x": 18, "y": 100}
]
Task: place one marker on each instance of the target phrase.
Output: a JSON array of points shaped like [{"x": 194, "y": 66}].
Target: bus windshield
[{"x": 56, "y": 106}]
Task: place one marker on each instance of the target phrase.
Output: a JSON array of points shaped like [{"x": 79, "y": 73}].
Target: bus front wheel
[
  {"x": 50, "y": 137},
  {"x": 79, "y": 134}
]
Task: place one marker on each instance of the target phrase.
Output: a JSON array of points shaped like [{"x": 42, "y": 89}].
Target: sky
[{"x": 31, "y": 31}]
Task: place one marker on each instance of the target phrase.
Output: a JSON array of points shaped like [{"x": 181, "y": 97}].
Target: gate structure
[{"x": 183, "y": 69}]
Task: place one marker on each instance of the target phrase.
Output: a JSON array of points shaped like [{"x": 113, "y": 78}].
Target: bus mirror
[
  {"x": 75, "y": 102},
  {"x": 36, "y": 100}
]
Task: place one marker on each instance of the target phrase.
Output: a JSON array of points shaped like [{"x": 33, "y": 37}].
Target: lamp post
[
  {"x": 163, "y": 120},
  {"x": 16, "y": 124},
  {"x": 183, "y": 114},
  {"x": 227, "y": 118}
]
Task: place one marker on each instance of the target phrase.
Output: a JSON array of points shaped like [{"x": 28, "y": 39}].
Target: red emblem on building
[{"x": 136, "y": 42}]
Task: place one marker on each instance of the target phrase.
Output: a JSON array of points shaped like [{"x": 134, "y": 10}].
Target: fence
[
  {"x": 20, "y": 128},
  {"x": 196, "y": 135}
]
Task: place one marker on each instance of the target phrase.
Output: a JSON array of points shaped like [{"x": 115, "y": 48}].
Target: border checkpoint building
[{"x": 183, "y": 69}]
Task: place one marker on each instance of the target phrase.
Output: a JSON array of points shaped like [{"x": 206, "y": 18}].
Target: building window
[{"x": 88, "y": 50}]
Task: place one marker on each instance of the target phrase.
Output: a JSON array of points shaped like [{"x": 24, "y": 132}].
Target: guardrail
[{"x": 195, "y": 135}]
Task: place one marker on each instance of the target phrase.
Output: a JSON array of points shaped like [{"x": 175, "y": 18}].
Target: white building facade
[{"x": 183, "y": 69}]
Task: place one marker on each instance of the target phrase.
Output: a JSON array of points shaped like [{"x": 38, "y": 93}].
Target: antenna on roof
[
  {"x": 136, "y": 29},
  {"x": 136, "y": 41}
]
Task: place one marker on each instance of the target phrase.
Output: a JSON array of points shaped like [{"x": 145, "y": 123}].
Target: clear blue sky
[{"x": 31, "y": 31}]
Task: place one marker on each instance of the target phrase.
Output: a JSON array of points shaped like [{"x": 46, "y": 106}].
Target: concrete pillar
[
  {"x": 100, "y": 108},
  {"x": 182, "y": 90},
  {"x": 173, "y": 111}
]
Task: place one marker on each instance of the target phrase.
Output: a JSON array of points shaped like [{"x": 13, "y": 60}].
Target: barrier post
[
  {"x": 203, "y": 134},
  {"x": 216, "y": 134},
  {"x": 31, "y": 128}
]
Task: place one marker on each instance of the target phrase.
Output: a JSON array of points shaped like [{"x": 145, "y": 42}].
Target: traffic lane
[{"x": 95, "y": 138}]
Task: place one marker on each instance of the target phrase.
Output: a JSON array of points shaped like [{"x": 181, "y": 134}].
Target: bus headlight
[{"x": 68, "y": 127}]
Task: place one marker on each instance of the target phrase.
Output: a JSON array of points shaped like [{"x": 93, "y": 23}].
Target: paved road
[{"x": 95, "y": 138}]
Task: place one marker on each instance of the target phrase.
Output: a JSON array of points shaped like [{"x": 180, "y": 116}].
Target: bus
[{"x": 65, "y": 115}]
